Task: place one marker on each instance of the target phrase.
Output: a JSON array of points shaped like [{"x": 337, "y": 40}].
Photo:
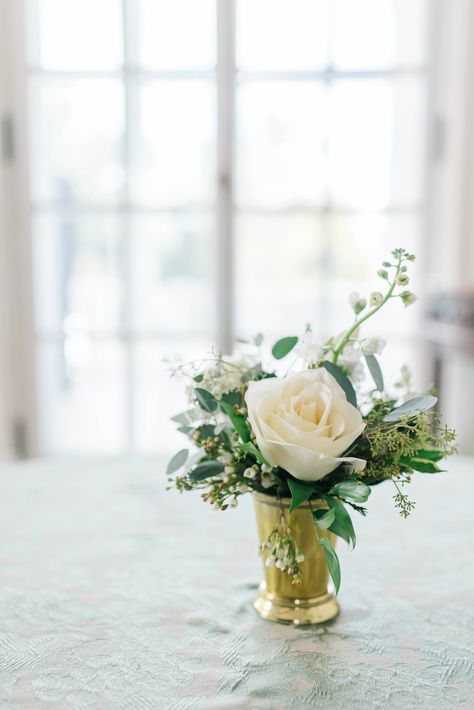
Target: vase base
[{"x": 315, "y": 610}]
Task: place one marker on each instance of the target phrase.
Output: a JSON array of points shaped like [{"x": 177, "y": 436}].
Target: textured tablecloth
[{"x": 117, "y": 594}]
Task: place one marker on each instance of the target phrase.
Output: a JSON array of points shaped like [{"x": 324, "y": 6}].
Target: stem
[{"x": 369, "y": 314}]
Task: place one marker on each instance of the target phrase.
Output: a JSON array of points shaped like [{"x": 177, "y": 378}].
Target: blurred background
[{"x": 176, "y": 174}]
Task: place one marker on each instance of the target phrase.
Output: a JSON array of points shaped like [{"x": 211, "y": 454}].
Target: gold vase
[{"x": 278, "y": 599}]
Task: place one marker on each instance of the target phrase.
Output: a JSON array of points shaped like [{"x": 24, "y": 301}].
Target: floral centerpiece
[{"x": 309, "y": 445}]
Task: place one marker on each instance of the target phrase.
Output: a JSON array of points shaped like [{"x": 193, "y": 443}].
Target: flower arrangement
[{"x": 317, "y": 433}]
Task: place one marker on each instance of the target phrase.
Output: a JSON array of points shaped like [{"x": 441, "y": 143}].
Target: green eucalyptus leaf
[
  {"x": 375, "y": 371},
  {"x": 251, "y": 449},
  {"x": 342, "y": 380},
  {"x": 206, "y": 400},
  {"x": 184, "y": 417},
  {"x": 207, "y": 469},
  {"x": 332, "y": 562},
  {"x": 324, "y": 518},
  {"x": 300, "y": 492},
  {"x": 411, "y": 408},
  {"x": 342, "y": 525},
  {"x": 284, "y": 346},
  {"x": 188, "y": 430},
  {"x": 238, "y": 421},
  {"x": 430, "y": 454},
  {"x": 177, "y": 461},
  {"x": 354, "y": 490},
  {"x": 421, "y": 465},
  {"x": 198, "y": 378}
]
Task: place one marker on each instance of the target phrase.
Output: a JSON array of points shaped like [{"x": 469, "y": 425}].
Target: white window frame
[{"x": 18, "y": 416}]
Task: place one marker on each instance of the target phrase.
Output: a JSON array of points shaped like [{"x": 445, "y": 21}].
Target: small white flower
[
  {"x": 242, "y": 488},
  {"x": 266, "y": 469},
  {"x": 357, "y": 302},
  {"x": 233, "y": 502},
  {"x": 375, "y": 298},
  {"x": 268, "y": 480},
  {"x": 270, "y": 561},
  {"x": 408, "y": 298},
  {"x": 373, "y": 346},
  {"x": 280, "y": 565},
  {"x": 250, "y": 472},
  {"x": 300, "y": 558}
]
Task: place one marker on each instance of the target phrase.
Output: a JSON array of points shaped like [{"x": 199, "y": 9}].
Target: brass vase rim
[{"x": 286, "y": 502}]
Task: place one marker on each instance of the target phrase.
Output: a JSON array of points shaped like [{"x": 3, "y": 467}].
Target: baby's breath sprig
[
  {"x": 396, "y": 280},
  {"x": 283, "y": 551}
]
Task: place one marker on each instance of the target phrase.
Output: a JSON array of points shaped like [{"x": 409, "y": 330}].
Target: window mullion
[{"x": 225, "y": 172}]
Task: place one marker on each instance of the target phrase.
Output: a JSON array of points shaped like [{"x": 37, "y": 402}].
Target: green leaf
[
  {"x": 258, "y": 340},
  {"x": 430, "y": 454},
  {"x": 177, "y": 461},
  {"x": 411, "y": 408},
  {"x": 198, "y": 378},
  {"x": 375, "y": 371},
  {"x": 206, "y": 399},
  {"x": 355, "y": 490},
  {"x": 332, "y": 562},
  {"x": 188, "y": 430},
  {"x": 205, "y": 431},
  {"x": 184, "y": 417},
  {"x": 300, "y": 492},
  {"x": 233, "y": 397},
  {"x": 284, "y": 346},
  {"x": 238, "y": 421},
  {"x": 342, "y": 525},
  {"x": 421, "y": 465},
  {"x": 207, "y": 469},
  {"x": 324, "y": 518},
  {"x": 251, "y": 449},
  {"x": 342, "y": 380}
]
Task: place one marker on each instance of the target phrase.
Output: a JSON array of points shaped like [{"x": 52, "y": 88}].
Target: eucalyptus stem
[{"x": 358, "y": 322}]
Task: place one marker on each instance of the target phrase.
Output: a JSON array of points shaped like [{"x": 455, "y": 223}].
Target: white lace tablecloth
[{"x": 117, "y": 594}]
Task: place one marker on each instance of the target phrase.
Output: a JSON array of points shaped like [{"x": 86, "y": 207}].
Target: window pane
[
  {"x": 77, "y": 263},
  {"x": 280, "y": 135},
  {"x": 282, "y": 35},
  {"x": 174, "y": 154},
  {"x": 298, "y": 269},
  {"x": 279, "y": 260},
  {"x": 377, "y": 34},
  {"x": 177, "y": 35},
  {"x": 76, "y": 34},
  {"x": 172, "y": 273},
  {"x": 81, "y": 396},
  {"x": 359, "y": 243},
  {"x": 158, "y": 396},
  {"x": 376, "y": 147},
  {"x": 76, "y": 132},
  {"x": 361, "y": 143}
]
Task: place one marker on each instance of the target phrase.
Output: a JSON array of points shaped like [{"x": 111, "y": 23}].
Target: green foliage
[
  {"x": 342, "y": 380},
  {"x": 251, "y": 449},
  {"x": 411, "y": 408},
  {"x": 206, "y": 399},
  {"x": 284, "y": 346},
  {"x": 332, "y": 562},
  {"x": 375, "y": 371},
  {"x": 300, "y": 492},
  {"x": 356, "y": 491},
  {"x": 238, "y": 421},
  {"x": 324, "y": 518},
  {"x": 207, "y": 469},
  {"x": 342, "y": 525},
  {"x": 177, "y": 461}
]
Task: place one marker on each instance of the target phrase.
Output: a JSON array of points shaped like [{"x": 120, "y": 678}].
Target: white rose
[{"x": 303, "y": 423}]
